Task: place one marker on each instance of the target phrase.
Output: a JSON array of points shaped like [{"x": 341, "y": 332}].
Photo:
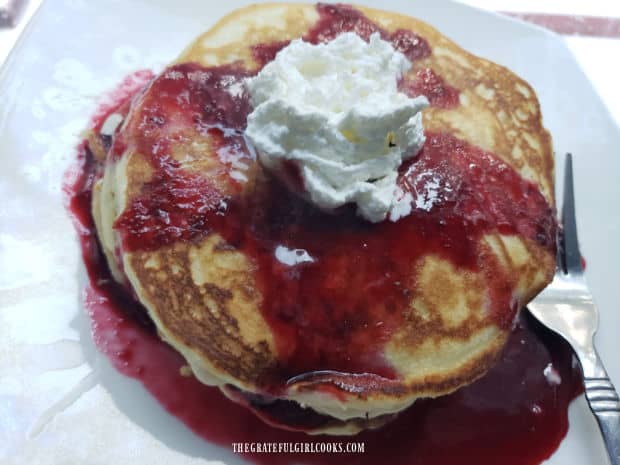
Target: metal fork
[{"x": 566, "y": 307}]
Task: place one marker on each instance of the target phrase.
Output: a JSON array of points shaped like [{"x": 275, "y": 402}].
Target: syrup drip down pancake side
[{"x": 364, "y": 318}]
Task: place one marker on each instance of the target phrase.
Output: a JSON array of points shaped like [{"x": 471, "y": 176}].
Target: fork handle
[{"x": 605, "y": 405}]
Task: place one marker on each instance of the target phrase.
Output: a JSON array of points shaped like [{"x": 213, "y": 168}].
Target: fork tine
[
  {"x": 572, "y": 256},
  {"x": 559, "y": 253}
]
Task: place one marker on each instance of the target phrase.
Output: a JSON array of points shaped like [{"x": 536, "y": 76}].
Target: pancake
[{"x": 364, "y": 318}]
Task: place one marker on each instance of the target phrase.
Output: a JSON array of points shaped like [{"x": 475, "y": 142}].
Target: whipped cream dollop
[{"x": 333, "y": 111}]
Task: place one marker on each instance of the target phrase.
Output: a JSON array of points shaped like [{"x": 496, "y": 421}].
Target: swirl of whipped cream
[{"x": 334, "y": 110}]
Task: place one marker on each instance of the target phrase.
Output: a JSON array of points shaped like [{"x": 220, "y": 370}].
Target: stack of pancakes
[{"x": 204, "y": 291}]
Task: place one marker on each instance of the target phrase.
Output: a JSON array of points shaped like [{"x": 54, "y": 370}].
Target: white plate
[{"x": 60, "y": 402}]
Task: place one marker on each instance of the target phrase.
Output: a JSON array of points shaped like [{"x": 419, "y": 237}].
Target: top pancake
[{"x": 339, "y": 339}]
